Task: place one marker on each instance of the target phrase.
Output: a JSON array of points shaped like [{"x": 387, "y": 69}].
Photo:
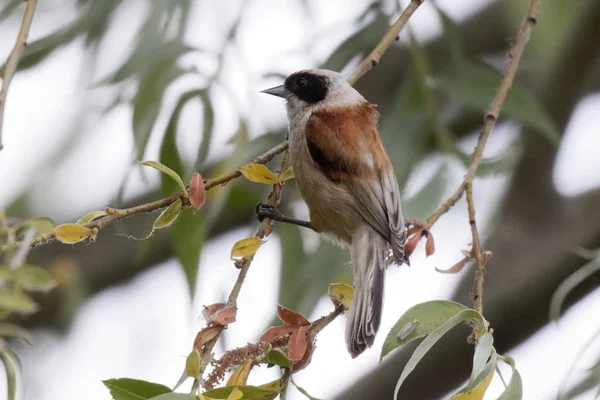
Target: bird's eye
[{"x": 301, "y": 82}]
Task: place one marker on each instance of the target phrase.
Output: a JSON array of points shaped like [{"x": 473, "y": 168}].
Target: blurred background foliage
[{"x": 431, "y": 91}]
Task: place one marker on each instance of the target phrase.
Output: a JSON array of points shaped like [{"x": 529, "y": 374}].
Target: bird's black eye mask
[{"x": 308, "y": 87}]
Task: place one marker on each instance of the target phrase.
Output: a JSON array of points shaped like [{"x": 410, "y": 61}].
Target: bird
[{"x": 349, "y": 185}]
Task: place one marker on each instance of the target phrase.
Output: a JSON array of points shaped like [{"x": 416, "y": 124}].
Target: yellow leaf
[
  {"x": 235, "y": 394},
  {"x": 168, "y": 216},
  {"x": 89, "y": 217},
  {"x": 259, "y": 173},
  {"x": 340, "y": 293},
  {"x": 239, "y": 377},
  {"x": 72, "y": 233},
  {"x": 287, "y": 174},
  {"x": 192, "y": 364},
  {"x": 245, "y": 247},
  {"x": 478, "y": 391},
  {"x": 274, "y": 385}
]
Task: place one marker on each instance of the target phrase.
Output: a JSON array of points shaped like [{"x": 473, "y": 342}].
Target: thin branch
[
  {"x": 491, "y": 116},
  {"x": 13, "y": 58},
  {"x": 477, "y": 252},
  {"x": 392, "y": 33}
]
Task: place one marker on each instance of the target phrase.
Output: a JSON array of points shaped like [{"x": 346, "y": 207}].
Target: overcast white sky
[{"x": 143, "y": 329}]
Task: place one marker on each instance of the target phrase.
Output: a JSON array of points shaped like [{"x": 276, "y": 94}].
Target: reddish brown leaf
[
  {"x": 429, "y": 245},
  {"x": 196, "y": 191},
  {"x": 291, "y": 318},
  {"x": 209, "y": 311},
  {"x": 226, "y": 315},
  {"x": 412, "y": 242},
  {"x": 275, "y": 332},
  {"x": 299, "y": 365},
  {"x": 456, "y": 268},
  {"x": 298, "y": 344},
  {"x": 206, "y": 335}
]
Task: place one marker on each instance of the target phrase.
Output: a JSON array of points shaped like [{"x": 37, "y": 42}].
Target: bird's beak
[{"x": 278, "y": 91}]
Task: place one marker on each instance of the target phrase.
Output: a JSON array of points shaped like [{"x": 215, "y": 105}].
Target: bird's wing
[{"x": 346, "y": 146}]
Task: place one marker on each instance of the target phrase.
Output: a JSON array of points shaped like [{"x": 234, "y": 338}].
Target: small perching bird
[{"x": 349, "y": 185}]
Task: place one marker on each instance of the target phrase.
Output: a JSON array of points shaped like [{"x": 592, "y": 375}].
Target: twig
[
  {"x": 285, "y": 382},
  {"x": 244, "y": 265},
  {"x": 392, "y": 33},
  {"x": 321, "y": 323},
  {"x": 477, "y": 252},
  {"x": 13, "y": 58},
  {"x": 119, "y": 214},
  {"x": 490, "y": 118}
]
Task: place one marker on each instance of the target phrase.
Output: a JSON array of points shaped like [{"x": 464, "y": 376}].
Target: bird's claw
[{"x": 266, "y": 210}]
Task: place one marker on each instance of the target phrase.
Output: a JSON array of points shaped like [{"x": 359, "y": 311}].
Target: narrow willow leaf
[
  {"x": 207, "y": 129},
  {"x": 134, "y": 389},
  {"x": 72, "y": 233},
  {"x": 17, "y": 301},
  {"x": 302, "y": 390},
  {"x": 168, "y": 216},
  {"x": 34, "y": 278},
  {"x": 89, "y": 217},
  {"x": 173, "y": 396},
  {"x": 188, "y": 235},
  {"x": 429, "y": 341},
  {"x": 478, "y": 391},
  {"x": 341, "y": 293},
  {"x": 192, "y": 364},
  {"x": 425, "y": 317},
  {"x": 273, "y": 385},
  {"x": 11, "y": 367},
  {"x": 15, "y": 331},
  {"x": 452, "y": 37},
  {"x": 240, "y": 376},
  {"x": 250, "y": 392},
  {"x": 566, "y": 286},
  {"x": 166, "y": 170},
  {"x": 245, "y": 247},
  {"x": 287, "y": 174},
  {"x": 483, "y": 351},
  {"x": 259, "y": 173},
  {"x": 477, "y": 385},
  {"x": 514, "y": 390},
  {"x": 41, "y": 224}
]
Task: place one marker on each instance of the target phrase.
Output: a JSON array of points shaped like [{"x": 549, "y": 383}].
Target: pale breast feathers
[{"x": 346, "y": 146}]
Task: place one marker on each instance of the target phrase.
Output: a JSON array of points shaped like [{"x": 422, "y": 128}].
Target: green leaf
[
  {"x": 41, "y": 224},
  {"x": 278, "y": 357},
  {"x": 89, "y": 217},
  {"x": 17, "y": 301},
  {"x": 15, "y": 331},
  {"x": 427, "y": 199},
  {"x": 422, "y": 320},
  {"x": 566, "y": 286},
  {"x": 362, "y": 41},
  {"x": 207, "y": 130},
  {"x": 250, "y": 392},
  {"x": 514, "y": 390},
  {"x": 452, "y": 37},
  {"x": 166, "y": 170},
  {"x": 188, "y": 235},
  {"x": 302, "y": 390},
  {"x": 483, "y": 351},
  {"x": 11, "y": 367},
  {"x": 475, "y": 84},
  {"x": 192, "y": 363},
  {"x": 10, "y": 6},
  {"x": 173, "y": 396},
  {"x": 134, "y": 389},
  {"x": 245, "y": 247},
  {"x": 34, "y": 278},
  {"x": 148, "y": 100},
  {"x": 481, "y": 382},
  {"x": 168, "y": 215},
  {"x": 429, "y": 341}
]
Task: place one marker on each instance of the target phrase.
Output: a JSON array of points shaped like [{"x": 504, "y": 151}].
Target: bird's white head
[{"x": 313, "y": 89}]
